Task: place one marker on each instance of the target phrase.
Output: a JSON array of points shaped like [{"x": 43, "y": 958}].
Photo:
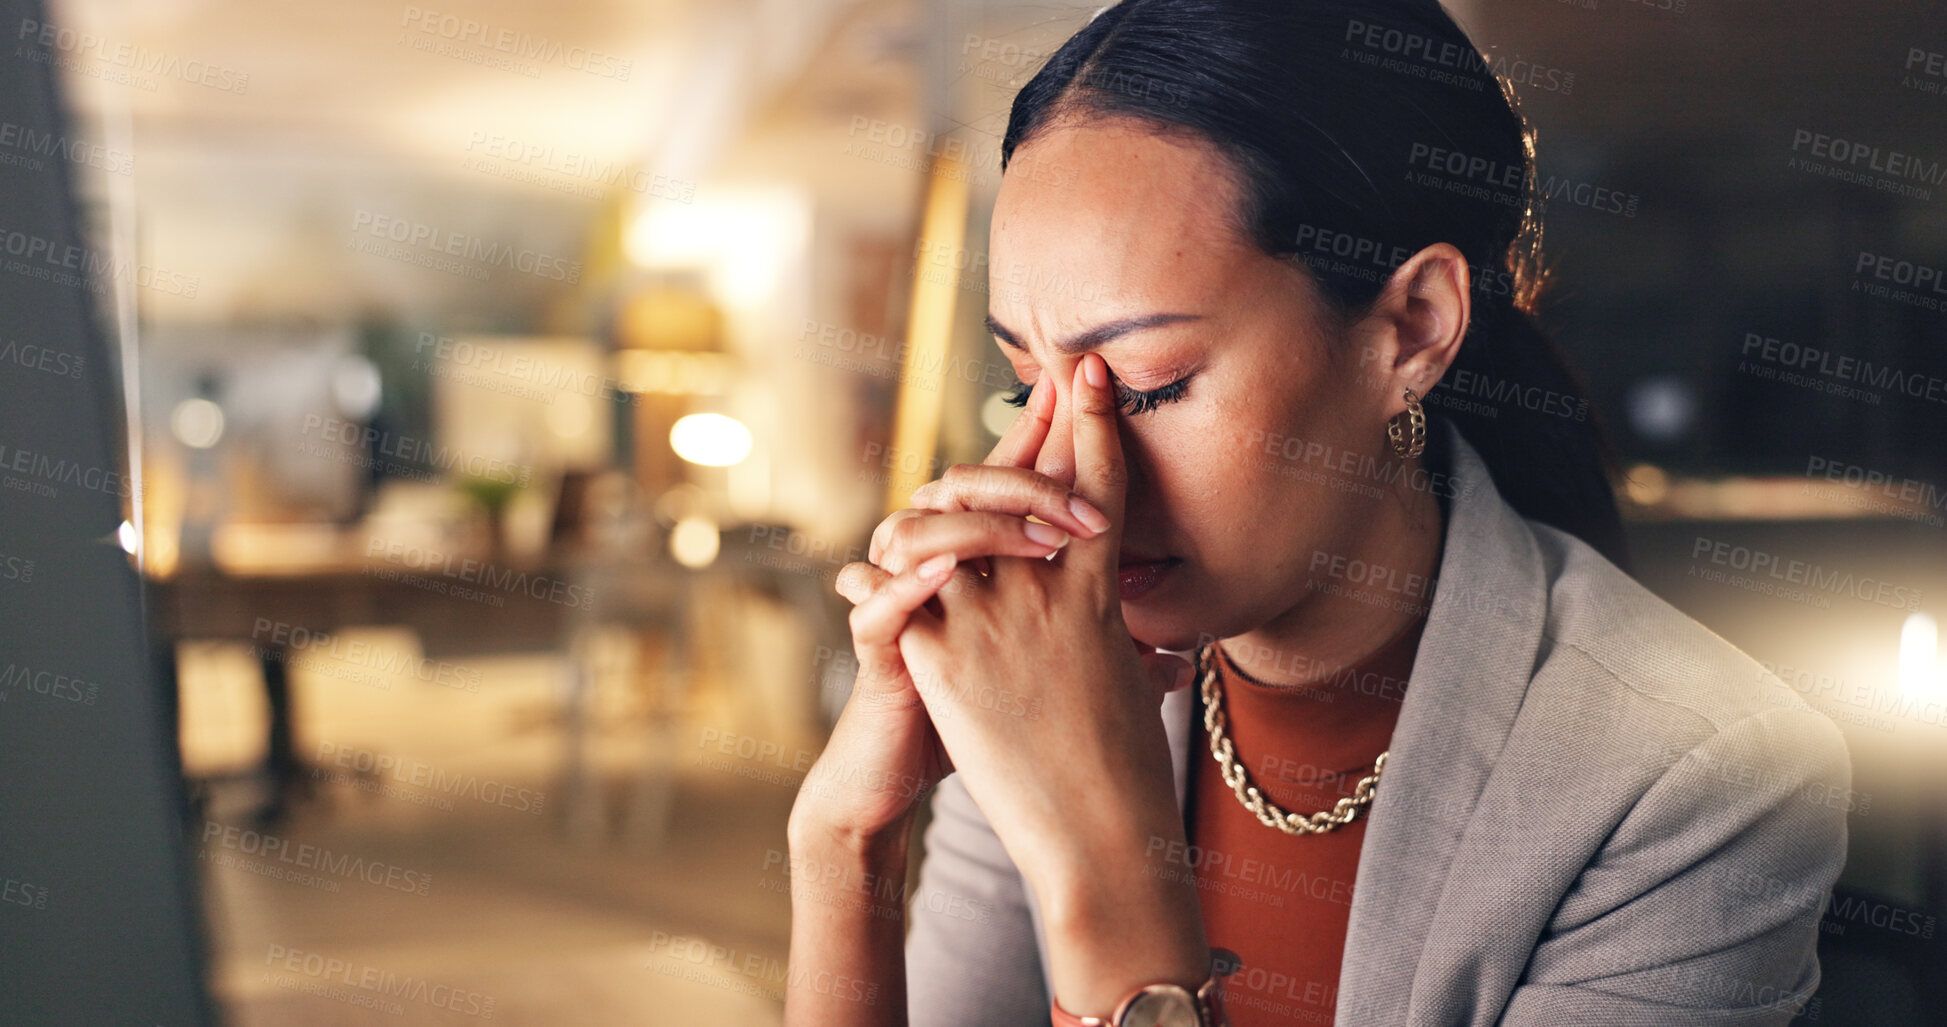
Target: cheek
[{"x": 1194, "y": 472}]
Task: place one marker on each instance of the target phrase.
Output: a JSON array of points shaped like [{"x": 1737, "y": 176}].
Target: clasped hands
[{"x": 979, "y": 653}]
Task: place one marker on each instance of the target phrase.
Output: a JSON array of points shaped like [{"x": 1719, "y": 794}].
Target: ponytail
[{"x": 1514, "y": 399}]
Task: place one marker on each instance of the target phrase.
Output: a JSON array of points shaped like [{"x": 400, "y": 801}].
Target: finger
[
  {"x": 1022, "y": 441},
  {"x": 877, "y": 622},
  {"x": 968, "y": 535},
  {"x": 859, "y": 581},
  {"x": 882, "y": 534},
  {"x": 1100, "y": 474},
  {"x": 1020, "y": 491}
]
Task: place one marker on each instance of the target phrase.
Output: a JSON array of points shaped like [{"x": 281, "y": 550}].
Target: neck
[{"x": 1356, "y": 595}]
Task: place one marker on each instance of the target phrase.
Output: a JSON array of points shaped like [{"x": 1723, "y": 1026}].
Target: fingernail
[
  {"x": 921, "y": 494},
  {"x": 1095, "y": 370},
  {"x": 1086, "y": 512},
  {"x": 937, "y": 568},
  {"x": 1047, "y": 534}
]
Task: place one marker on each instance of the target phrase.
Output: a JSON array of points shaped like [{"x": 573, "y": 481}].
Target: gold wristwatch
[{"x": 1157, "y": 1005}]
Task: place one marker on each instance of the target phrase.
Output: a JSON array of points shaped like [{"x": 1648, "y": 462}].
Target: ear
[{"x": 1413, "y": 330}]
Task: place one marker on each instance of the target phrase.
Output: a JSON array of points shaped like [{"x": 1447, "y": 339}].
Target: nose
[{"x": 1057, "y": 456}]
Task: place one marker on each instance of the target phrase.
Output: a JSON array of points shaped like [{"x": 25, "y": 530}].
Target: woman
[{"x": 1443, "y": 762}]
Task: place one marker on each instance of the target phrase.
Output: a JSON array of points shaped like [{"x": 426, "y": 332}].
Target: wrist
[
  {"x": 811, "y": 834},
  {"x": 1118, "y": 917}
]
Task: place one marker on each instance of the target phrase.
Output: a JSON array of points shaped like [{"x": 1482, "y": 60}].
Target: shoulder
[
  {"x": 1659, "y": 741},
  {"x": 1665, "y": 762},
  {"x": 1613, "y": 642}
]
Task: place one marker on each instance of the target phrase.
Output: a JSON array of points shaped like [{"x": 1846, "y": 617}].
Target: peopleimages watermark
[
  {"x": 946, "y": 697},
  {"x": 997, "y": 60},
  {"x": 451, "y": 568},
  {"x": 786, "y": 542},
  {"x": 1877, "y": 491},
  {"x": 881, "y": 896},
  {"x": 1772, "y": 574},
  {"x": 916, "y": 149},
  {"x": 1920, "y": 285},
  {"x": 1733, "y": 770},
  {"x": 24, "y": 470},
  {"x": 1878, "y": 168},
  {"x": 505, "y": 48},
  {"x": 404, "y": 455},
  {"x": 1332, "y": 251},
  {"x": 44, "y": 359},
  {"x": 750, "y": 973},
  {"x": 1422, "y": 56},
  {"x": 22, "y": 893},
  {"x": 1243, "y": 876},
  {"x": 567, "y": 171},
  {"x": 1348, "y": 470},
  {"x": 365, "y": 763},
  {"x": 769, "y": 762},
  {"x": 884, "y": 462},
  {"x": 1925, "y": 71},
  {"x": 1822, "y": 370},
  {"x": 1325, "y": 680},
  {"x": 375, "y": 986},
  {"x": 1484, "y": 178},
  {"x": 288, "y": 857},
  {"x": 456, "y": 253},
  {"x": 48, "y": 684},
  {"x": 1371, "y": 575},
  {"x": 878, "y": 895},
  {"x": 120, "y": 61},
  {"x": 35, "y": 147},
  {"x": 43, "y": 259},
  {"x": 16, "y": 568},
  {"x": 1869, "y": 701},
  {"x": 1838, "y": 911},
  {"x": 758, "y": 756},
  {"x": 294, "y": 643}
]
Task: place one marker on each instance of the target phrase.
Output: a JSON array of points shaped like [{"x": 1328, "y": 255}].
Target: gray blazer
[{"x": 1595, "y": 812}]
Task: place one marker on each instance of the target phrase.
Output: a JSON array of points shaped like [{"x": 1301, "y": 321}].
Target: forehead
[{"x": 1097, "y": 218}]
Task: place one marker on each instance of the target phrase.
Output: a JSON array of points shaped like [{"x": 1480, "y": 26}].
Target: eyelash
[{"x": 1129, "y": 399}]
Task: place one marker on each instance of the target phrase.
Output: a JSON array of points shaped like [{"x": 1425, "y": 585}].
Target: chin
[{"x": 1160, "y": 629}]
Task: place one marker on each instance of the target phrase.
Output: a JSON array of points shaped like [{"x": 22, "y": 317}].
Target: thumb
[
  {"x": 1166, "y": 671},
  {"x": 1100, "y": 474}
]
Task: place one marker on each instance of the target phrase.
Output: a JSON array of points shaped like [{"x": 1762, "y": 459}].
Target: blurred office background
[{"x": 510, "y": 381}]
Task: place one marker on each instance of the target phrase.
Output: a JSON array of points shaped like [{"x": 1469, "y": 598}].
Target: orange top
[{"x": 1281, "y": 902}]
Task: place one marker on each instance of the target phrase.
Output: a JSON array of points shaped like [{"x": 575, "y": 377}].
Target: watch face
[{"x": 1162, "y": 1005}]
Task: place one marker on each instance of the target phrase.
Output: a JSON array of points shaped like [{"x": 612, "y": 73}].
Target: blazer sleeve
[
  {"x": 1703, "y": 906},
  {"x": 972, "y": 959}
]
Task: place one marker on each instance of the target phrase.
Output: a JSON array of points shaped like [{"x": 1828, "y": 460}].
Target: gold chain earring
[{"x": 1409, "y": 441}]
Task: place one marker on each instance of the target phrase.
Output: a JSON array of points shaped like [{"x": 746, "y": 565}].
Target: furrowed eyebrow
[{"x": 1096, "y": 336}]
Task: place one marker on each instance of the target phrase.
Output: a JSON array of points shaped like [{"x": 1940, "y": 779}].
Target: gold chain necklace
[{"x": 1343, "y": 812}]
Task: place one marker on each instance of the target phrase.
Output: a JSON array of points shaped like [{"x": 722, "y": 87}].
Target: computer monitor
[{"x": 99, "y": 921}]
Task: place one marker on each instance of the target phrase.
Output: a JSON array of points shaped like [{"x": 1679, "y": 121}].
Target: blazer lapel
[{"x": 1476, "y": 657}]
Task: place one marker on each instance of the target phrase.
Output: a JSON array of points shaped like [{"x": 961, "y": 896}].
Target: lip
[{"x": 1136, "y": 576}]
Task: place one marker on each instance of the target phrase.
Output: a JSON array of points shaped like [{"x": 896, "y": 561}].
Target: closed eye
[{"x": 1130, "y": 400}]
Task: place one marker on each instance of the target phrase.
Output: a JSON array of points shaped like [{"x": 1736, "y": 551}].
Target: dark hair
[{"x": 1362, "y": 132}]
